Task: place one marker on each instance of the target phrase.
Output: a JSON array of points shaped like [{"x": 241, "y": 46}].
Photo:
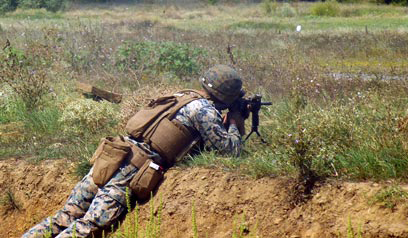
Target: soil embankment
[{"x": 222, "y": 201}]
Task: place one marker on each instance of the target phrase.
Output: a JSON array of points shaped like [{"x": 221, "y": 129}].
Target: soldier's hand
[
  {"x": 236, "y": 118},
  {"x": 225, "y": 121}
]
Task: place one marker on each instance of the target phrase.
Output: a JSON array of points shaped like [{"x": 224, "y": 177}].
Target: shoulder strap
[
  {"x": 203, "y": 94},
  {"x": 184, "y": 97},
  {"x": 188, "y": 95}
]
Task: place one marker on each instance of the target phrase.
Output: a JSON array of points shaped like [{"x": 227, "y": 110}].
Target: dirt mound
[
  {"x": 31, "y": 192},
  {"x": 223, "y": 202}
]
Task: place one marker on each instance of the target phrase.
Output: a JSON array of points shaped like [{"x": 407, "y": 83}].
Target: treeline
[
  {"x": 50, "y": 5},
  {"x": 60, "y": 5}
]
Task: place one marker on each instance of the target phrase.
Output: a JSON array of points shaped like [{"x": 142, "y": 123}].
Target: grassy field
[{"x": 338, "y": 86}]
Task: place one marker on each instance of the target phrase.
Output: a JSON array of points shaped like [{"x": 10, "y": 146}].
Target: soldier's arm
[{"x": 209, "y": 124}]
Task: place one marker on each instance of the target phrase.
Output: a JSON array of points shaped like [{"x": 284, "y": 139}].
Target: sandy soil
[{"x": 223, "y": 201}]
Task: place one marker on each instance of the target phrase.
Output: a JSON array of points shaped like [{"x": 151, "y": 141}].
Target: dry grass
[
  {"x": 313, "y": 75},
  {"x": 139, "y": 98}
]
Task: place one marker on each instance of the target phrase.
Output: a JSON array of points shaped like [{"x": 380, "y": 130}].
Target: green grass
[
  {"x": 312, "y": 25},
  {"x": 132, "y": 227},
  {"x": 346, "y": 126},
  {"x": 39, "y": 134},
  {"x": 355, "y": 24},
  {"x": 389, "y": 197},
  {"x": 32, "y": 14},
  {"x": 351, "y": 230},
  {"x": 271, "y": 26},
  {"x": 350, "y": 127},
  {"x": 8, "y": 200}
]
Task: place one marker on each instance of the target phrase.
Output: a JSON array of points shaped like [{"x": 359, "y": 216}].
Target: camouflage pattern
[
  {"x": 89, "y": 208},
  {"x": 203, "y": 117},
  {"x": 222, "y": 82}
]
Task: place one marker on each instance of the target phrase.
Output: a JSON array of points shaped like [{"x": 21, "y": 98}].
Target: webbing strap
[{"x": 170, "y": 113}]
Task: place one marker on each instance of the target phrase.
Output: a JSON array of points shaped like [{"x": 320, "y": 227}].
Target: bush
[
  {"x": 316, "y": 136},
  {"x": 394, "y": 2},
  {"x": 8, "y": 5},
  {"x": 287, "y": 10},
  {"x": 7, "y": 105},
  {"x": 50, "y": 5},
  {"x": 269, "y": 6},
  {"x": 354, "y": 138},
  {"x": 328, "y": 8},
  {"x": 389, "y": 196},
  {"x": 25, "y": 72},
  {"x": 180, "y": 59},
  {"x": 84, "y": 116}
]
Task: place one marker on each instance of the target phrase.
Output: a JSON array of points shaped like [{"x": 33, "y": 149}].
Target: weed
[
  {"x": 180, "y": 59},
  {"x": 131, "y": 226},
  {"x": 337, "y": 103},
  {"x": 328, "y": 8},
  {"x": 8, "y": 200},
  {"x": 50, "y": 5},
  {"x": 194, "y": 220},
  {"x": 287, "y": 10},
  {"x": 269, "y": 6},
  {"x": 82, "y": 168},
  {"x": 87, "y": 116},
  {"x": 389, "y": 196},
  {"x": 242, "y": 230},
  {"x": 351, "y": 230},
  {"x": 25, "y": 74}
]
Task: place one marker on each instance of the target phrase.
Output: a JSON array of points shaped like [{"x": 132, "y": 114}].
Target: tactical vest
[{"x": 156, "y": 126}]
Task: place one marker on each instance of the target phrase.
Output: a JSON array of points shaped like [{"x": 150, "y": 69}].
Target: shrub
[
  {"x": 55, "y": 5},
  {"x": 8, "y": 200},
  {"x": 287, "y": 10},
  {"x": 180, "y": 59},
  {"x": 82, "y": 168},
  {"x": 7, "y": 104},
  {"x": 389, "y": 196},
  {"x": 50, "y": 5},
  {"x": 8, "y": 5},
  {"x": 317, "y": 136},
  {"x": 355, "y": 137},
  {"x": 269, "y": 6},
  {"x": 395, "y": 2},
  {"x": 25, "y": 72},
  {"x": 88, "y": 116},
  {"x": 328, "y": 8}
]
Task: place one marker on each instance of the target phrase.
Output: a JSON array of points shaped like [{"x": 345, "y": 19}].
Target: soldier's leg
[
  {"x": 108, "y": 204},
  {"x": 75, "y": 207}
]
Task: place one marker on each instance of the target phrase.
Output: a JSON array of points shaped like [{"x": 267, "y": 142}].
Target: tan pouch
[
  {"x": 108, "y": 158},
  {"x": 146, "y": 180},
  {"x": 170, "y": 139}
]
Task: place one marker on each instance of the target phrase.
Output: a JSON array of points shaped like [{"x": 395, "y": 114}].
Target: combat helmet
[{"x": 223, "y": 83}]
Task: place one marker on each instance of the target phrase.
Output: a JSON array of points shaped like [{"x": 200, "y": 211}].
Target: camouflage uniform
[{"x": 88, "y": 207}]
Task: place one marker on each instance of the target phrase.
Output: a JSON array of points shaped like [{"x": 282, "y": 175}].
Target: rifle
[{"x": 247, "y": 106}]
